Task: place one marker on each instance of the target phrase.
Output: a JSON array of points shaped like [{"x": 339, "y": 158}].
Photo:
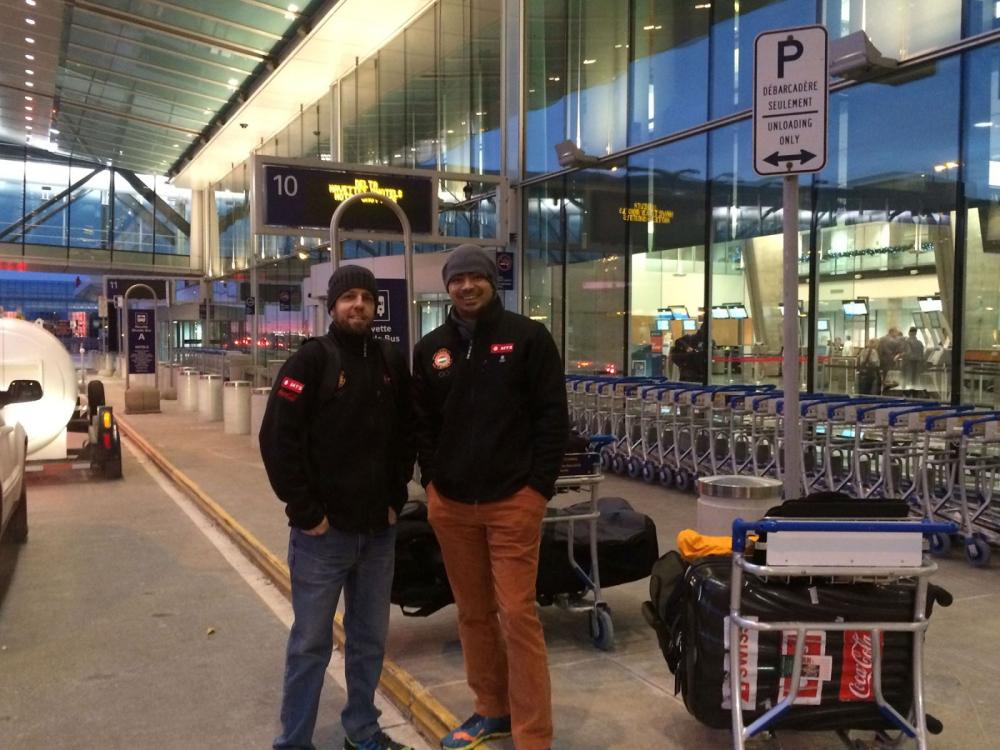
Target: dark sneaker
[
  {"x": 378, "y": 741},
  {"x": 475, "y": 730}
]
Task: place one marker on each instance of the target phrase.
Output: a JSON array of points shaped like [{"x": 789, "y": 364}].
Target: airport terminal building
[
  {"x": 178, "y": 180},
  {"x": 139, "y": 164}
]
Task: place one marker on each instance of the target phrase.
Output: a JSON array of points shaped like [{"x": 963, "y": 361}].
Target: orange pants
[{"x": 490, "y": 552}]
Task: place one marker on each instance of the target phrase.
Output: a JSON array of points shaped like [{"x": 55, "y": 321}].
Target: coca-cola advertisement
[
  {"x": 817, "y": 667},
  {"x": 857, "y": 666}
]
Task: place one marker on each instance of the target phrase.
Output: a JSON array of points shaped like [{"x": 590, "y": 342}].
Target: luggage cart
[
  {"x": 581, "y": 472},
  {"x": 848, "y": 552}
]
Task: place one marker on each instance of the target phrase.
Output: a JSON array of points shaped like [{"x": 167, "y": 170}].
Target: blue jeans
[{"x": 361, "y": 565}]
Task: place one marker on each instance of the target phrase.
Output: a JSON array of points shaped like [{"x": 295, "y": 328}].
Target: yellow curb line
[{"x": 432, "y": 719}]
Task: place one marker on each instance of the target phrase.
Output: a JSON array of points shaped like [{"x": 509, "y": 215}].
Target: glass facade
[
  {"x": 674, "y": 230},
  {"x": 57, "y": 207},
  {"x": 894, "y": 233}
]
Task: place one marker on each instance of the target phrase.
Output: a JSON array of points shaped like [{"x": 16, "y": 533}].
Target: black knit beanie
[
  {"x": 469, "y": 259},
  {"x": 346, "y": 278}
]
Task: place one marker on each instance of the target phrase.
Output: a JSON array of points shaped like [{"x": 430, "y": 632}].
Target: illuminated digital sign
[
  {"x": 645, "y": 213},
  {"x": 297, "y": 197}
]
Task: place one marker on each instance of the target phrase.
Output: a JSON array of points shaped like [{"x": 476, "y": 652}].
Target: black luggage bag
[
  {"x": 689, "y": 611},
  {"x": 627, "y": 549}
]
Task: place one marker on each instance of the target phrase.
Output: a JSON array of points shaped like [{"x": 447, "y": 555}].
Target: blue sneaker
[
  {"x": 476, "y": 730},
  {"x": 378, "y": 741}
]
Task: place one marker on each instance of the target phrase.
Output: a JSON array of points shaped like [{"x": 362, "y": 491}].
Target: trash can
[
  {"x": 236, "y": 407},
  {"x": 722, "y": 499},
  {"x": 210, "y": 397},
  {"x": 187, "y": 389},
  {"x": 258, "y": 403}
]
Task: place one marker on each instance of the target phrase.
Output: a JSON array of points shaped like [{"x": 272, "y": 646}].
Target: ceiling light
[
  {"x": 28, "y": 108},
  {"x": 29, "y": 118},
  {"x": 450, "y": 132},
  {"x": 30, "y": 2},
  {"x": 28, "y": 98},
  {"x": 951, "y": 164},
  {"x": 27, "y": 127},
  {"x": 29, "y": 21},
  {"x": 176, "y": 145},
  {"x": 939, "y": 167},
  {"x": 29, "y": 57},
  {"x": 29, "y": 40},
  {"x": 29, "y": 84},
  {"x": 702, "y": 6},
  {"x": 232, "y": 82},
  {"x": 986, "y": 124},
  {"x": 53, "y": 131},
  {"x": 29, "y": 71},
  {"x": 554, "y": 78},
  {"x": 589, "y": 61}
]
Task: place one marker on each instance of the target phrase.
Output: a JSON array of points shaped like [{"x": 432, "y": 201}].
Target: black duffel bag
[{"x": 627, "y": 549}]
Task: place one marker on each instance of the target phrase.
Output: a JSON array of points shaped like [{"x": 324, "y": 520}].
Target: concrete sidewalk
[
  {"x": 123, "y": 626},
  {"x": 601, "y": 699}
]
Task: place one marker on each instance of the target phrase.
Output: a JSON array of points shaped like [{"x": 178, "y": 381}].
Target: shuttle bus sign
[{"x": 789, "y": 101}]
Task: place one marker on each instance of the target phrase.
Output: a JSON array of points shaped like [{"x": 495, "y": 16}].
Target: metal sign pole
[
  {"x": 790, "y": 324},
  {"x": 404, "y": 222},
  {"x": 791, "y": 85}
]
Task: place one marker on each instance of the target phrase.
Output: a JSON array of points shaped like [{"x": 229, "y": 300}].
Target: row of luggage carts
[{"x": 944, "y": 460}]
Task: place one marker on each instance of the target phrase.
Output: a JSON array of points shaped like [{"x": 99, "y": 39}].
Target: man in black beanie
[
  {"x": 337, "y": 446},
  {"x": 492, "y": 425}
]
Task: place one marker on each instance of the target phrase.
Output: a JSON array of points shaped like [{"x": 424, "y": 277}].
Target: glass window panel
[
  {"x": 885, "y": 226},
  {"x": 394, "y": 148},
  {"x": 747, "y": 256},
  {"x": 575, "y": 79},
  {"x": 669, "y": 72},
  {"x": 596, "y": 289},
  {"x": 735, "y": 25},
  {"x": 981, "y": 164},
  {"x": 455, "y": 84},
  {"x": 90, "y": 207},
  {"x": 173, "y": 218},
  {"x": 46, "y": 198},
  {"x": 368, "y": 112},
  {"x": 663, "y": 216},
  {"x": 422, "y": 129},
  {"x": 545, "y": 259},
  {"x": 546, "y": 50},
  {"x": 11, "y": 198},
  {"x": 349, "y": 117},
  {"x": 898, "y": 28},
  {"x": 981, "y": 15},
  {"x": 133, "y": 216},
  {"x": 232, "y": 203},
  {"x": 485, "y": 54}
]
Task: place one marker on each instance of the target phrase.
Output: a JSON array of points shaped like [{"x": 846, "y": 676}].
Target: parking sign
[{"x": 790, "y": 81}]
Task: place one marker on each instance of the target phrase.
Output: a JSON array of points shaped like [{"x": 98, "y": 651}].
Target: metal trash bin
[
  {"x": 187, "y": 389},
  {"x": 236, "y": 407},
  {"x": 722, "y": 499},
  {"x": 258, "y": 404},
  {"x": 210, "y": 397}
]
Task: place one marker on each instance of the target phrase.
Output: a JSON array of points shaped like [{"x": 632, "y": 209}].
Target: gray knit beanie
[
  {"x": 346, "y": 278},
  {"x": 469, "y": 259}
]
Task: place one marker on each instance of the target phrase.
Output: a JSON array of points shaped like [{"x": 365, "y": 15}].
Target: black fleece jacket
[
  {"x": 340, "y": 446},
  {"x": 491, "y": 411}
]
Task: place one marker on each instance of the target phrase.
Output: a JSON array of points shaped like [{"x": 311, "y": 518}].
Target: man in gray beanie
[
  {"x": 337, "y": 446},
  {"x": 492, "y": 425}
]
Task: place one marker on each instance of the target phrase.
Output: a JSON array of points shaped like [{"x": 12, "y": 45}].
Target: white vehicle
[{"x": 13, "y": 449}]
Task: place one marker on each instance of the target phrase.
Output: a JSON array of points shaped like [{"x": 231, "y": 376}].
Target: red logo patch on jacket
[
  {"x": 441, "y": 359},
  {"x": 501, "y": 348},
  {"x": 290, "y": 389}
]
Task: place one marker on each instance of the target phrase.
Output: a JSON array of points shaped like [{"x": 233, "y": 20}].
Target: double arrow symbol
[{"x": 803, "y": 156}]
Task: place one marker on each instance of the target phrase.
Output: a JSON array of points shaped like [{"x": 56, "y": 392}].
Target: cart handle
[
  {"x": 741, "y": 527},
  {"x": 897, "y": 415},
  {"x": 968, "y": 424},
  {"x": 932, "y": 421}
]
